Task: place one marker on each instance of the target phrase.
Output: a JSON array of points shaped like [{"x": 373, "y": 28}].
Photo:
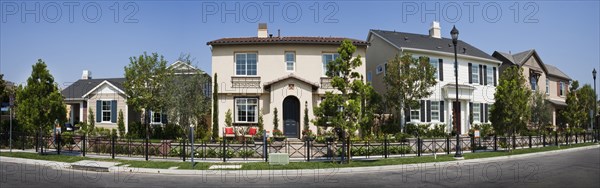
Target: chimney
[
  {"x": 434, "y": 31},
  {"x": 86, "y": 75},
  {"x": 262, "y": 30}
]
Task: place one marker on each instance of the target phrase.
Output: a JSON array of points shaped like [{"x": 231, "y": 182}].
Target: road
[{"x": 562, "y": 169}]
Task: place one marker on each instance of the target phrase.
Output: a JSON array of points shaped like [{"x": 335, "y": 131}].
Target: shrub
[
  {"x": 438, "y": 131},
  {"x": 402, "y": 137}
]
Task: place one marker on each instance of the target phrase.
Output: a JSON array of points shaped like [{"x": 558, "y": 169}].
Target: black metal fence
[{"x": 307, "y": 150}]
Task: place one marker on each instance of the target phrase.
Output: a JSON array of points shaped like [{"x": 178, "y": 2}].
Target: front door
[
  {"x": 457, "y": 124},
  {"x": 291, "y": 117}
]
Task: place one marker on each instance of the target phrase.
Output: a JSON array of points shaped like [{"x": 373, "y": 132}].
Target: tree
[
  {"x": 215, "y": 117},
  {"x": 371, "y": 104},
  {"x": 306, "y": 119},
  {"x": 407, "y": 79},
  {"x": 580, "y": 102},
  {"x": 91, "y": 124},
  {"x": 540, "y": 115},
  {"x": 511, "y": 111},
  {"x": 40, "y": 104},
  {"x": 275, "y": 120},
  {"x": 146, "y": 78},
  {"x": 2, "y": 87},
  {"x": 342, "y": 109},
  {"x": 228, "y": 119},
  {"x": 121, "y": 124},
  {"x": 186, "y": 104}
]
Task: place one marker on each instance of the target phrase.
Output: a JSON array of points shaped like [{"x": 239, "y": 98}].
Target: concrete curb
[{"x": 349, "y": 170}]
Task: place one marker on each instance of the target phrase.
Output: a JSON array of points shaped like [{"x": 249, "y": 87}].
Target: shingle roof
[
  {"x": 521, "y": 57},
  {"x": 425, "y": 42},
  {"x": 554, "y": 71},
  {"x": 285, "y": 40},
  {"x": 81, "y": 87},
  {"x": 267, "y": 85}
]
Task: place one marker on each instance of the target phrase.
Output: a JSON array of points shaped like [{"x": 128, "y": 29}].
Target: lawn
[
  {"x": 46, "y": 157},
  {"x": 521, "y": 151}
]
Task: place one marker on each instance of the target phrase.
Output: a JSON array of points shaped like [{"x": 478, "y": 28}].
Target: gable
[
  {"x": 533, "y": 63},
  {"x": 105, "y": 88}
]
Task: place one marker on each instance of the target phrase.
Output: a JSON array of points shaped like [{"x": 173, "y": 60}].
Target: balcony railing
[
  {"x": 326, "y": 83},
  {"x": 245, "y": 82}
]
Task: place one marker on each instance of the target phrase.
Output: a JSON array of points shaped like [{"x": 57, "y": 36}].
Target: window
[
  {"x": 475, "y": 73},
  {"x": 489, "y": 112},
  {"x": 476, "y": 112},
  {"x": 326, "y": 59},
  {"x": 533, "y": 82},
  {"x": 106, "y": 111},
  {"x": 415, "y": 114},
  {"x": 490, "y": 75},
  {"x": 434, "y": 63},
  {"x": 547, "y": 86},
  {"x": 369, "y": 77},
  {"x": 435, "y": 111},
  {"x": 156, "y": 118},
  {"x": 379, "y": 69},
  {"x": 290, "y": 61},
  {"x": 246, "y": 110},
  {"x": 245, "y": 64},
  {"x": 561, "y": 89}
]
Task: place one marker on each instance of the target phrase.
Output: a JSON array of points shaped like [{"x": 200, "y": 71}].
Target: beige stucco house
[
  {"x": 260, "y": 73},
  {"x": 540, "y": 77},
  {"x": 477, "y": 76}
]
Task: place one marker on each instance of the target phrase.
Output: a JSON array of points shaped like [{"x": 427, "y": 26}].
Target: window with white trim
[
  {"x": 245, "y": 64},
  {"x": 476, "y": 112},
  {"x": 475, "y": 73},
  {"x": 246, "y": 110},
  {"x": 435, "y": 111},
  {"x": 490, "y": 75},
  {"x": 434, "y": 63},
  {"x": 290, "y": 61},
  {"x": 106, "y": 111},
  {"x": 156, "y": 118},
  {"x": 415, "y": 115},
  {"x": 379, "y": 69},
  {"x": 327, "y": 58}
]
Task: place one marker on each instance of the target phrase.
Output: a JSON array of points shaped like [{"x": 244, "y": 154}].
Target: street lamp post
[
  {"x": 595, "y": 124},
  {"x": 454, "y": 34}
]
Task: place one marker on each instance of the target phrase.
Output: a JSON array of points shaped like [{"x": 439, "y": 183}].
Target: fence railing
[{"x": 307, "y": 150}]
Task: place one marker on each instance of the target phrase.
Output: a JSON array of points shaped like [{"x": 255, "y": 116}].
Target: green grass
[
  {"x": 46, "y": 157},
  {"x": 354, "y": 163},
  {"x": 521, "y": 151}
]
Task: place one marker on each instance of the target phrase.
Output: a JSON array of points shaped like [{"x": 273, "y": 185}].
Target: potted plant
[
  {"x": 308, "y": 135},
  {"x": 278, "y": 135}
]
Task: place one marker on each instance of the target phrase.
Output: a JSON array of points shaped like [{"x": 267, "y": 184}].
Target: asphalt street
[{"x": 562, "y": 169}]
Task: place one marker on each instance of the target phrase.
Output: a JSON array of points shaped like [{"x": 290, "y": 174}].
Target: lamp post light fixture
[{"x": 454, "y": 34}]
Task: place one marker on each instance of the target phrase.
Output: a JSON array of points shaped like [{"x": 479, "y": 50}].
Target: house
[
  {"x": 106, "y": 97},
  {"x": 258, "y": 74},
  {"x": 540, "y": 77},
  {"x": 477, "y": 76}
]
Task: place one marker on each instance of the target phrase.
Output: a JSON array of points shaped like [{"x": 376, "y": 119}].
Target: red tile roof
[{"x": 285, "y": 40}]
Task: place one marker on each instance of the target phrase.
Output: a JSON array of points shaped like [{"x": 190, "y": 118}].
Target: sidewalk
[{"x": 114, "y": 167}]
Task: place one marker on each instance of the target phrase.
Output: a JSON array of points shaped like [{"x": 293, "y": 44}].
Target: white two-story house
[
  {"x": 261, "y": 73},
  {"x": 477, "y": 75}
]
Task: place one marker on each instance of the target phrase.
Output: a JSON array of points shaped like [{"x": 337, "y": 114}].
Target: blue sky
[{"x": 564, "y": 33}]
